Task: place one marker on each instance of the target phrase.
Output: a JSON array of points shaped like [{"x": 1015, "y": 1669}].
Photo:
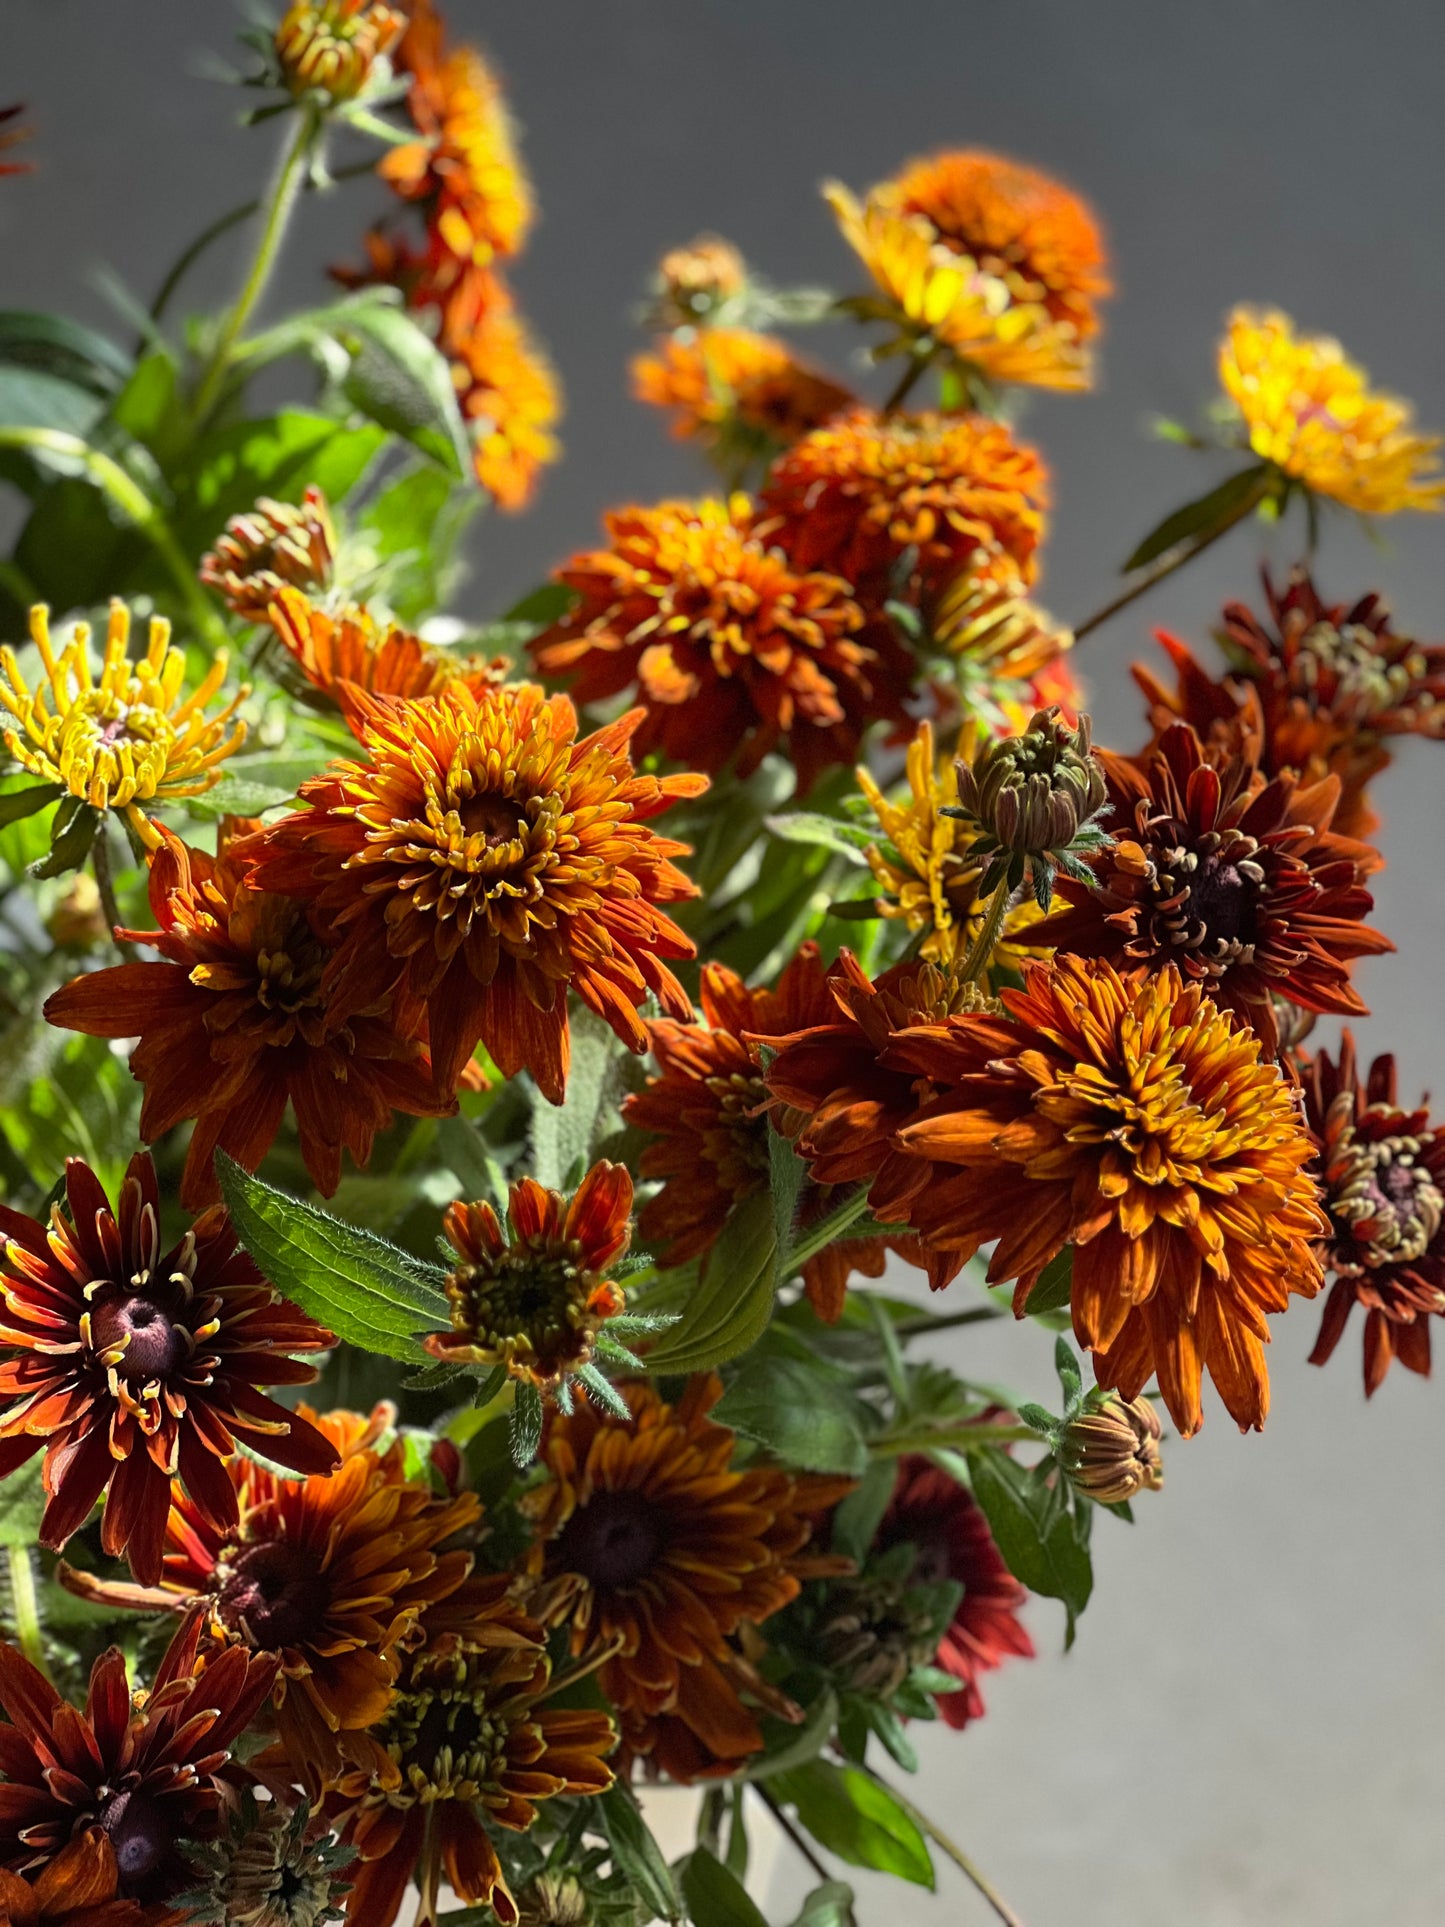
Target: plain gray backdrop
[{"x": 1250, "y": 1727}]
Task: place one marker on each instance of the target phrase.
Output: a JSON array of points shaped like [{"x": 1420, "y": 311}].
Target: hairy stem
[
  {"x": 26, "y": 1604},
  {"x": 984, "y": 944},
  {"x": 836, "y": 1225},
  {"x": 951, "y": 1847}
]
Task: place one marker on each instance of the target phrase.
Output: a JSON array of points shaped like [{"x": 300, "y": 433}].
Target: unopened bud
[
  {"x": 695, "y": 281},
  {"x": 272, "y": 546},
  {"x": 1112, "y": 1452},
  {"x": 78, "y": 920},
  {"x": 873, "y": 1632},
  {"x": 1032, "y": 794},
  {"x": 553, "y": 1900},
  {"x": 332, "y": 46}
]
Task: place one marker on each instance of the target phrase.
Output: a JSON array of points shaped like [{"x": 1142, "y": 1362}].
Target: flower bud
[
  {"x": 78, "y": 920},
  {"x": 1032, "y": 794},
  {"x": 331, "y": 46},
  {"x": 271, "y": 546},
  {"x": 1112, "y": 1451},
  {"x": 553, "y": 1900},
  {"x": 872, "y": 1632},
  {"x": 695, "y": 281}
]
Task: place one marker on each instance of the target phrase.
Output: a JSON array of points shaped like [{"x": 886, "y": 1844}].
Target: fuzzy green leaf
[
  {"x": 22, "y": 1500},
  {"x": 636, "y": 1853},
  {"x": 804, "y": 1419},
  {"x": 525, "y": 1435},
  {"x": 562, "y": 1133},
  {"x": 830, "y": 1905},
  {"x": 824, "y": 832},
  {"x": 730, "y": 1308}
]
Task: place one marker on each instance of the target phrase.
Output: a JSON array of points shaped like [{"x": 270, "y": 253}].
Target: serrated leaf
[
  {"x": 562, "y": 1133},
  {"x": 715, "y": 1897},
  {"x": 1036, "y": 1535},
  {"x": 367, "y": 1291},
  {"x": 1210, "y": 515},
  {"x": 856, "y": 1818},
  {"x": 635, "y": 1852},
  {"x": 525, "y": 1427},
  {"x": 730, "y": 1308},
  {"x": 603, "y": 1392},
  {"x": 802, "y": 1418},
  {"x": 1053, "y": 1285}
]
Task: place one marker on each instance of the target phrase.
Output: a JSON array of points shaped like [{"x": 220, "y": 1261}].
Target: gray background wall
[{"x": 1250, "y": 1728}]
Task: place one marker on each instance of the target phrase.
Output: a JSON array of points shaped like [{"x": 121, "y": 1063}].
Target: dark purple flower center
[
  {"x": 138, "y": 1833},
  {"x": 153, "y": 1346},
  {"x": 1390, "y": 1206},
  {"x": 275, "y": 1594},
  {"x": 613, "y": 1540}
]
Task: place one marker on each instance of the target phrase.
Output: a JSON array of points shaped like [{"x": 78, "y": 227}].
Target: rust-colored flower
[
  {"x": 332, "y": 46},
  {"x": 721, "y": 381},
  {"x": 478, "y": 861},
  {"x": 707, "y": 1116},
  {"x": 272, "y": 545},
  {"x": 856, "y": 495},
  {"x": 732, "y": 650},
  {"x": 78, "y": 1888},
  {"x": 533, "y": 1297},
  {"x": 1381, "y": 1173},
  {"x": 1239, "y": 882},
  {"x": 326, "y": 1576},
  {"x": 671, "y": 1550},
  {"x": 147, "y": 1779},
  {"x": 832, "y": 1074},
  {"x": 511, "y": 400},
  {"x": 132, "y": 1367},
  {"x": 695, "y": 281},
  {"x": 1309, "y": 410},
  {"x": 944, "y": 1524},
  {"x": 332, "y": 648},
  {"x": 1136, "y": 1121},
  {"x": 236, "y": 1023},
  {"x": 466, "y": 1746},
  {"x": 1313, "y": 687}
]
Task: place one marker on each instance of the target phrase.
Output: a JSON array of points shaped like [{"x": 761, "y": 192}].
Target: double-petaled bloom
[
  {"x": 731, "y": 647},
  {"x": 133, "y": 1366},
  {"x": 533, "y": 1297},
  {"x": 669, "y": 1551},
  {"x": 147, "y": 1779},
  {"x": 706, "y": 1113},
  {"x": 467, "y": 1745},
  {"x": 994, "y": 260},
  {"x": 333, "y": 648},
  {"x": 127, "y": 738},
  {"x": 1135, "y": 1121},
  {"x": 736, "y": 390},
  {"x": 858, "y": 495},
  {"x": 1237, "y": 881},
  {"x": 1309, "y": 410},
  {"x": 945, "y": 1525},
  {"x": 1381, "y": 1173},
  {"x": 477, "y": 862},
  {"x": 235, "y": 1022},
  {"x": 1314, "y": 687},
  {"x": 510, "y": 399}
]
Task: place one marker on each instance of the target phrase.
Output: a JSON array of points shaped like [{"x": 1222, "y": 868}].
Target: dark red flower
[{"x": 131, "y": 1366}]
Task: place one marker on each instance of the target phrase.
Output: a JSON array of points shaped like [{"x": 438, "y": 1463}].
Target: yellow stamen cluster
[
  {"x": 1309, "y": 409},
  {"x": 125, "y": 738}
]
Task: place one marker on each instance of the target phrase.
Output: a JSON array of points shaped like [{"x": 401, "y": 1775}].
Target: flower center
[
  {"x": 613, "y": 1540},
  {"x": 135, "y": 1336},
  {"x": 275, "y": 1594},
  {"x": 738, "y": 1144},
  {"x": 1389, "y": 1206},
  {"x": 1207, "y": 902},
  {"x": 138, "y": 1834},
  {"x": 1363, "y": 680},
  {"x": 441, "y": 1731},
  {"x": 528, "y": 1304}
]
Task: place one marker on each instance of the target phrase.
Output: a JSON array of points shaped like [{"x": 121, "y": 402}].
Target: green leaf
[
  {"x": 414, "y": 526},
  {"x": 235, "y": 796},
  {"x": 56, "y": 346},
  {"x": 1053, "y": 1284},
  {"x": 604, "y": 1393},
  {"x": 30, "y": 398},
  {"x": 1066, "y": 1364},
  {"x": 278, "y": 455},
  {"x": 149, "y": 407},
  {"x": 1207, "y": 517},
  {"x": 891, "y": 1731},
  {"x": 795, "y": 1746},
  {"x": 635, "y": 1852},
  {"x": 461, "y": 1145},
  {"x": 401, "y": 380},
  {"x": 715, "y": 1897},
  {"x": 856, "y": 1818},
  {"x": 857, "y": 1519},
  {"x": 22, "y": 1500},
  {"x": 802, "y": 1418},
  {"x": 786, "y": 1175},
  {"x": 525, "y": 1433},
  {"x": 730, "y": 1308},
  {"x": 17, "y": 804},
  {"x": 830, "y": 1905},
  {"x": 562, "y": 1133},
  {"x": 824, "y": 832},
  {"x": 72, "y": 832},
  {"x": 68, "y": 1096},
  {"x": 1037, "y": 1535},
  {"x": 544, "y": 605},
  {"x": 367, "y": 1291}
]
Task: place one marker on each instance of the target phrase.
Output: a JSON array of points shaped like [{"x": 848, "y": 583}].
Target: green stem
[
  {"x": 918, "y": 362},
  {"x": 950, "y": 1438},
  {"x": 188, "y": 259},
  {"x": 951, "y": 1847},
  {"x": 789, "y": 1831},
  {"x": 131, "y": 501},
  {"x": 925, "y": 1327},
  {"x": 26, "y": 1603},
  {"x": 279, "y": 204},
  {"x": 976, "y": 962},
  {"x": 836, "y": 1225},
  {"x": 1174, "y": 559},
  {"x": 105, "y": 883}
]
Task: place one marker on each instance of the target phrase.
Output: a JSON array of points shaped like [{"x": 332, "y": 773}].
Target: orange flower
[
  {"x": 510, "y": 396},
  {"x": 466, "y": 1746},
  {"x": 477, "y": 862},
  {"x": 730, "y": 647},
  {"x": 707, "y": 1115},
  {"x": 275, "y": 543},
  {"x": 237, "y": 1021},
  {"x": 351, "y": 646},
  {"x": 695, "y": 281},
  {"x": 716, "y": 377},
  {"x": 534, "y": 1302},
  {"x": 671, "y": 1550},
  {"x": 1137, "y": 1122},
  {"x": 1239, "y": 882},
  {"x": 333, "y": 46},
  {"x": 1314, "y": 688},
  {"x": 75, "y": 1889},
  {"x": 854, "y": 496}
]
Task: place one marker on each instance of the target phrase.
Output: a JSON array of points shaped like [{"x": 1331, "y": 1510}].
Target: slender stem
[
  {"x": 934, "y": 1438},
  {"x": 951, "y": 1847},
  {"x": 105, "y": 883},
  {"x": 188, "y": 258},
  {"x": 1172, "y": 560},
  {"x": 976, "y": 962},
  {"x": 790, "y": 1831},
  {"x": 280, "y": 202},
  {"x": 918, "y": 361},
  {"x": 836, "y": 1225},
  {"x": 925, "y": 1327},
  {"x": 428, "y": 1875},
  {"x": 26, "y": 1603}
]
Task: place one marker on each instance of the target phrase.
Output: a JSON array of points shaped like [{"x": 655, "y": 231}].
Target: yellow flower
[
  {"x": 127, "y": 738},
  {"x": 935, "y": 290},
  {"x": 332, "y": 46},
  {"x": 1309, "y": 410},
  {"x": 928, "y": 876},
  {"x": 983, "y": 619}
]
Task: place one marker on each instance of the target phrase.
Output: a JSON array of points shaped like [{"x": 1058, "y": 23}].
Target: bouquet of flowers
[{"x": 472, "y": 1098}]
